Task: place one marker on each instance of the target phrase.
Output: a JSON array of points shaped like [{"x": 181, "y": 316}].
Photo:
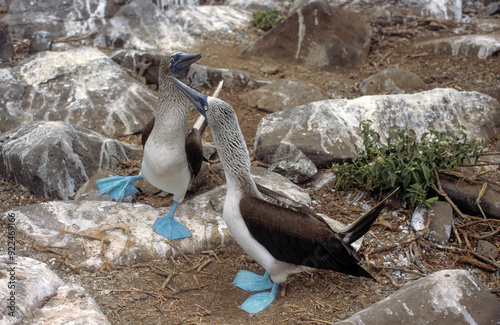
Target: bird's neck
[
  {"x": 172, "y": 107},
  {"x": 234, "y": 156}
]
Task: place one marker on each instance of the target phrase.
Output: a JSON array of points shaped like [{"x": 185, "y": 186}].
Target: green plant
[
  {"x": 266, "y": 20},
  {"x": 405, "y": 162}
]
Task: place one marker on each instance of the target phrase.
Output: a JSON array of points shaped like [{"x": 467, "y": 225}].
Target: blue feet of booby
[
  {"x": 252, "y": 282},
  {"x": 169, "y": 228},
  {"x": 118, "y": 187},
  {"x": 260, "y": 301}
]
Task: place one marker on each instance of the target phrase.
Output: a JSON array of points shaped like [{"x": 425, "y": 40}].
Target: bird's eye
[
  {"x": 172, "y": 59},
  {"x": 206, "y": 108}
]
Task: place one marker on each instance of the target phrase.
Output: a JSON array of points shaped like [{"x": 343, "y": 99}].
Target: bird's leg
[
  {"x": 118, "y": 187},
  {"x": 169, "y": 228},
  {"x": 260, "y": 301},
  {"x": 252, "y": 282}
]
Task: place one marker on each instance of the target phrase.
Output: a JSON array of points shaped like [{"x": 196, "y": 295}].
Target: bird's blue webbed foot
[
  {"x": 250, "y": 281},
  {"x": 260, "y": 301},
  {"x": 170, "y": 228},
  {"x": 118, "y": 187}
]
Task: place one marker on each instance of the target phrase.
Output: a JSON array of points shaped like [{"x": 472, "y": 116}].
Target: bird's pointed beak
[
  {"x": 181, "y": 66},
  {"x": 198, "y": 99}
]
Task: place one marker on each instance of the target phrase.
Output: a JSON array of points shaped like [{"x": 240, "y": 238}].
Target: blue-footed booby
[
  {"x": 172, "y": 153},
  {"x": 283, "y": 239}
]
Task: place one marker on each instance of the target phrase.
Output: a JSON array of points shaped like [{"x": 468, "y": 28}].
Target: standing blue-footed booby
[
  {"x": 283, "y": 239},
  {"x": 172, "y": 154}
]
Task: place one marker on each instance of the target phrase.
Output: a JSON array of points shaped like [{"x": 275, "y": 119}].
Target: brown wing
[
  {"x": 147, "y": 131},
  {"x": 298, "y": 237},
  {"x": 194, "y": 151}
]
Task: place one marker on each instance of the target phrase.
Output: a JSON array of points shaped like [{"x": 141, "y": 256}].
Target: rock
[
  {"x": 255, "y": 5},
  {"x": 200, "y": 76},
  {"x": 193, "y": 19},
  {"x": 293, "y": 164},
  {"x": 269, "y": 69},
  {"x": 127, "y": 227},
  {"x": 464, "y": 195},
  {"x": 122, "y": 223},
  {"x": 32, "y": 280},
  {"x": 143, "y": 64},
  {"x": 13, "y": 92},
  {"x": 53, "y": 159},
  {"x": 40, "y": 41},
  {"x": 487, "y": 249},
  {"x": 390, "y": 80},
  {"x": 318, "y": 36},
  {"x": 143, "y": 26},
  {"x": 80, "y": 86},
  {"x": 441, "y": 219},
  {"x": 282, "y": 94},
  {"x": 493, "y": 9},
  {"x": 444, "y": 297},
  {"x": 480, "y": 45},
  {"x": 323, "y": 179},
  {"x": 442, "y": 9},
  {"x": 328, "y": 131},
  {"x": 7, "y": 48},
  {"x": 67, "y": 19},
  {"x": 70, "y": 304}
]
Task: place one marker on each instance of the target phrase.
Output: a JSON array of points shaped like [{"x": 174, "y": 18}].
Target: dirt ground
[{"x": 197, "y": 289}]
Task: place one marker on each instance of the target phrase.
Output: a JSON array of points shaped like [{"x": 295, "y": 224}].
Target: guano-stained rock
[
  {"x": 80, "y": 86},
  {"x": 328, "y": 131},
  {"x": 53, "y": 159}
]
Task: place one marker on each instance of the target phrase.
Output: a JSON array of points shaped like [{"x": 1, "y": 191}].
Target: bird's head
[
  {"x": 199, "y": 100},
  {"x": 180, "y": 62}
]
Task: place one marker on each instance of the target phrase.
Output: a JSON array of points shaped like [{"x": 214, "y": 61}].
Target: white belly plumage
[{"x": 165, "y": 166}]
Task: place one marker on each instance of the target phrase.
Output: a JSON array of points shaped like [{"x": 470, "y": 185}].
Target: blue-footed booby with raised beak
[
  {"x": 172, "y": 153},
  {"x": 283, "y": 239}
]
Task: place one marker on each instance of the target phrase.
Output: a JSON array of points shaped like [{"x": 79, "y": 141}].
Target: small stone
[
  {"x": 40, "y": 41},
  {"x": 441, "y": 215},
  {"x": 269, "y": 69},
  {"x": 487, "y": 249}
]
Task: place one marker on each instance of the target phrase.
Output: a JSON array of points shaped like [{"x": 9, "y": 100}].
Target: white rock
[
  {"x": 70, "y": 305},
  {"x": 23, "y": 285}
]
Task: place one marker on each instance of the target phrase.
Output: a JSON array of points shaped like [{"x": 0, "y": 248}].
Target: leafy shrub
[
  {"x": 405, "y": 162},
  {"x": 266, "y": 20}
]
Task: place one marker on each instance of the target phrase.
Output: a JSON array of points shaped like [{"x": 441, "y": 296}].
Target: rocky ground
[{"x": 197, "y": 288}]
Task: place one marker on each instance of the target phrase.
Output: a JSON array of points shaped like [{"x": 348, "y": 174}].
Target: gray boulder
[
  {"x": 61, "y": 19},
  {"x": 390, "y": 79},
  {"x": 446, "y": 297},
  {"x": 328, "y": 131},
  {"x": 318, "y": 36},
  {"x": 30, "y": 280},
  {"x": 281, "y": 94},
  {"x": 441, "y": 9},
  {"x": 80, "y": 86},
  {"x": 53, "y": 159},
  {"x": 40, "y": 41},
  {"x": 70, "y": 304},
  {"x": 293, "y": 164},
  {"x": 7, "y": 48},
  {"x": 200, "y": 76},
  {"x": 141, "y": 25},
  {"x": 482, "y": 46}
]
